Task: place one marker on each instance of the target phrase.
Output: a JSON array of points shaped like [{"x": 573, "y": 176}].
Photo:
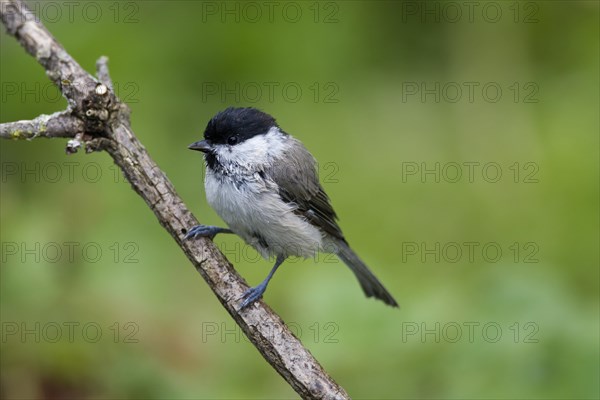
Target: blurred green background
[{"x": 497, "y": 275}]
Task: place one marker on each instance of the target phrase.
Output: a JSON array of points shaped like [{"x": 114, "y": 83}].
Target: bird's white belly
[{"x": 258, "y": 215}]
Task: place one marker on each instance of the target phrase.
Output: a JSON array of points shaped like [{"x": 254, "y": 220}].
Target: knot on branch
[{"x": 98, "y": 108}]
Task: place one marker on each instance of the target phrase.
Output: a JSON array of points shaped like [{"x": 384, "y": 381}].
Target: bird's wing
[{"x": 298, "y": 183}]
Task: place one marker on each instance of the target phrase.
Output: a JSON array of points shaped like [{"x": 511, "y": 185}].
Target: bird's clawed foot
[
  {"x": 205, "y": 231},
  {"x": 253, "y": 294}
]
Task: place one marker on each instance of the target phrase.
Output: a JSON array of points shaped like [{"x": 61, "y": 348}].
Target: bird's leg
[
  {"x": 255, "y": 293},
  {"x": 205, "y": 231}
]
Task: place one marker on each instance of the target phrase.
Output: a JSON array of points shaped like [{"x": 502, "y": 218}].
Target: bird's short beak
[{"x": 201, "y": 145}]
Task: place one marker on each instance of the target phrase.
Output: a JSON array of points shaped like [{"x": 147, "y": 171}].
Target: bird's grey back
[{"x": 296, "y": 175}]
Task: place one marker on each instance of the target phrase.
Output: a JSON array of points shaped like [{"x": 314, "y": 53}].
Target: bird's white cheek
[{"x": 256, "y": 151}]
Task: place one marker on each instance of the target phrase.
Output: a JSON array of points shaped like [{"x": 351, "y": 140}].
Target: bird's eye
[{"x": 232, "y": 140}]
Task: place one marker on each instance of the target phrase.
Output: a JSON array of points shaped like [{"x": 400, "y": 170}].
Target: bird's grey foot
[
  {"x": 205, "y": 231},
  {"x": 253, "y": 294}
]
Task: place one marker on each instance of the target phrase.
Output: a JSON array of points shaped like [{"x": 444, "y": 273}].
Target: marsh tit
[{"x": 263, "y": 183}]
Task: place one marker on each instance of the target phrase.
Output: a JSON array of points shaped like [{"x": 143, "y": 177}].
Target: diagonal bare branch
[{"x": 105, "y": 122}]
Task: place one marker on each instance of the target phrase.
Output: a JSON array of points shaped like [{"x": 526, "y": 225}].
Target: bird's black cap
[{"x": 234, "y": 125}]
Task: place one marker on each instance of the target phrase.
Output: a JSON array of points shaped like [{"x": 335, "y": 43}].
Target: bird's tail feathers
[{"x": 369, "y": 282}]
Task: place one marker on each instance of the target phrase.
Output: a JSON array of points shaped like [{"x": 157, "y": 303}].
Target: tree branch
[
  {"x": 97, "y": 118},
  {"x": 60, "y": 124}
]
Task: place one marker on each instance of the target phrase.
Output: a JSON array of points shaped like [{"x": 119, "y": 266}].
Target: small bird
[{"x": 263, "y": 183}]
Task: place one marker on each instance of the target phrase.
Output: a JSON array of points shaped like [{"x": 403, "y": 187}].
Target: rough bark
[{"x": 60, "y": 124}]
